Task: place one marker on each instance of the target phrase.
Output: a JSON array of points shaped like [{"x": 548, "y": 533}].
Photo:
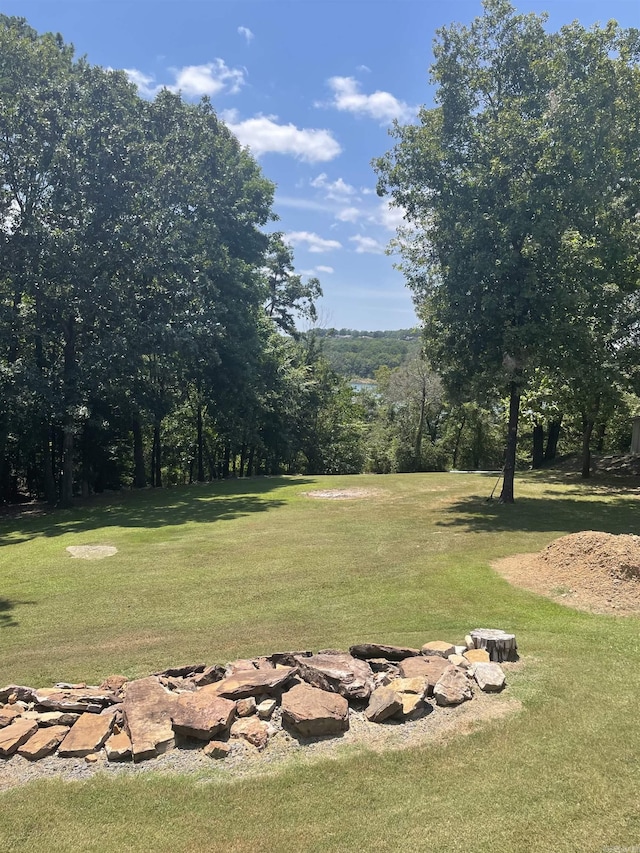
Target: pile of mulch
[{"x": 590, "y": 570}]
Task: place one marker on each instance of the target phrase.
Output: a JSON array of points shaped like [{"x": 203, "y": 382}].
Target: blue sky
[{"x": 311, "y": 86}]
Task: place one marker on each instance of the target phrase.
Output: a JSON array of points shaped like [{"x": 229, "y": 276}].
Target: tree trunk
[
  {"x": 66, "y": 491},
  {"x": 537, "y": 457},
  {"x": 417, "y": 444},
  {"x": 506, "y": 496},
  {"x": 602, "y": 428},
  {"x": 226, "y": 461},
  {"x": 157, "y": 455},
  {"x": 252, "y": 454},
  {"x": 47, "y": 463},
  {"x": 587, "y": 429},
  {"x": 139, "y": 471},
  {"x": 200, "y": 441},
  {"x": 456, "y": 447},
  {"x": 553, "y": 434}
]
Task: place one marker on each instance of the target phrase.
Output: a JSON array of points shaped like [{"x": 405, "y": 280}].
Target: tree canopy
[{"x": 529, "y": 159}]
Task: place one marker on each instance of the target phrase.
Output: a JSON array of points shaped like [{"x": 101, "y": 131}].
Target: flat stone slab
[
  {"x": 430, "y": 668},
  {"x": 202, "y": 714},
  {"x": 418, "y": 685},
  {"x": 490, "y": 677},
  {"x": 438, "y": 648},
  {"x": 15, "y": 734},
  {"x": 81, "y": 699},
  {"x": 312, "y": 712},
  {"x": 87, "y": 735},
  {"x": 118, "y": 747},
  {"x": 477, "y": 656},
  {"x": 383, "y": 703},
  {"x": 369, "y": 651},
  {"x": 452, "y": 688},
  {"x": 253, "y": 682},
  {"x": 148, "y": 707},
  {"x": 338, "y": 673},
  {"x": 43, "y": 742}
]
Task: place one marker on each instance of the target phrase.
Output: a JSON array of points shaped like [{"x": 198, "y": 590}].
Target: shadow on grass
[
  {"x": 153, "y": 508},
  {"x": 475, "y": 513},
  {"x": 7, "y": 619}
]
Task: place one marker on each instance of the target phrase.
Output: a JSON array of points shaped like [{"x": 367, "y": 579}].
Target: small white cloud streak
[
  {"x": 381, "y": 106},
  {"x": 311, "y": 241},
  {"x": 349, "y": 214},
  {"x": 246, "y": 33},
  {"x": 326, "y": 270},
  {"x": 367, "y": 245},
  {"x": 263, "y": 135},
  {"x": 336, "y": 190}
]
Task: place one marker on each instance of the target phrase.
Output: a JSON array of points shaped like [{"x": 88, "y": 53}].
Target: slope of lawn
[{"x": 210, "y": 573}]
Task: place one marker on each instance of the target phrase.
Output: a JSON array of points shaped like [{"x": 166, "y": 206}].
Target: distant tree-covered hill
[{"x": 358, "y": 354}]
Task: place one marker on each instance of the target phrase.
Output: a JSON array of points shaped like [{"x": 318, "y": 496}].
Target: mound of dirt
[{"x": 590, "y": 570}]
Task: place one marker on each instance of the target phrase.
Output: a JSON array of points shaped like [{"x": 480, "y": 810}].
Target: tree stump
[{"x": 500, "y": 645}]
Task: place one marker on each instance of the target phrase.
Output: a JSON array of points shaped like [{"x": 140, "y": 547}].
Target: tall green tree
[{"x": 492, "y": 185}]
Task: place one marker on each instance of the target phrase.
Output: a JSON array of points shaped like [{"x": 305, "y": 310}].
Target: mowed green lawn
[{"x": 210, "y": 573}]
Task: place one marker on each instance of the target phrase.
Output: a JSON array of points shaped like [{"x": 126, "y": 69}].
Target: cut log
[{"x": 499, "y": 645}]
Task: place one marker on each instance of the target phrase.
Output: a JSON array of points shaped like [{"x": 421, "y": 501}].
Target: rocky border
[{"x": 310, "y": 696}]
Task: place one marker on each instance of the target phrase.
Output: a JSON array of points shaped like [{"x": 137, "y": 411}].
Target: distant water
[{"x": 364, "y": 386}]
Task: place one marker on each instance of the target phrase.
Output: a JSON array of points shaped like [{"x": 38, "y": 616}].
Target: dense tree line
[
  {"x": 522, "y": 192},
  {"x": 147, "y": 320}
]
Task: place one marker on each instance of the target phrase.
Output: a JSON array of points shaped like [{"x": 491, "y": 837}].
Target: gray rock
[
  {"x": 489, "y": 676},
  {"x": 339, "y": 673},
  {"x": 383, "y": 703},
  {"x": 375, "y": 650},
  {"x": 253, "y": 682},
  {"x": 452, "y": 687}
]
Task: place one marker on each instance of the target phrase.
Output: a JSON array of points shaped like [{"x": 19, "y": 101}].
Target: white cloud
[
  {"x": 382, "y": 106},
  {"x": 336, "y": 190},
  {"x": 246, "y": 33},
  {"x": 193, "y": 81},
  {"x": 312, "y": 241},
  {"x": 210, "y": 79},
  {"x": 319, "y": 269},
  {"x": 349, "y": 214},
  {"x": 264, "y": 135},
  {"x": 146, "y": 84},
  {"x": 367, "y": 245},
  {"x": 391, "y": 217},
  {"x": 363, "y": 68}
]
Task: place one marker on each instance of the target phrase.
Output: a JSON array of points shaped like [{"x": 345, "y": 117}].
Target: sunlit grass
[{"x": 242, "y": 568}]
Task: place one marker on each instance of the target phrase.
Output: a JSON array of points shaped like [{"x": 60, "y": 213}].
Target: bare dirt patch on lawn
[
  {"x": 593, "y": 571},
  {"x": 342, "y": 494},
  {"x": 92, "y": 552}
]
